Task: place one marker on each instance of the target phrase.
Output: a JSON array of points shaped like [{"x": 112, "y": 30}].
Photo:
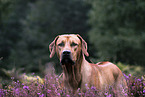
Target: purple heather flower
[
  {"x": 42, "y": 86},
  {"x": 139, "y": 79},
  {"x": 38, "y": 93},
  {"x": 41, "y": 95},
  {"x": 57, "y": 79},
  {"x": 144, "y": 91},
  {"x": 33, "y": 73},
  {"x": 53, "y": 85},
  {"x": 58, "y": 94},
  {"x": 17, "y": 91},
  {"x": 131, "y": 93},
  {"x": 86, "y": 85},
  {"x": 126, "y": 76},
  {"x": 26, "y": 87},
  {"x": 78, "y": 89},
  {"x": 93, "y": 88},
  {"x": 48, "y": 91},
  {"x": 108, "y": 95},
  {"x": 12, "y": 78},
  {"x": 1, "y": 92},
  {"x": 129, "y": 75},
  {"x": 61, "y": 91},
  {"x": 125, "y": 94},
  {"x": 140, "y": 92}
]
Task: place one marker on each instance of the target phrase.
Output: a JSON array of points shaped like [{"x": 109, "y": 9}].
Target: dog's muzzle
[{"x": 67, "y": 58}]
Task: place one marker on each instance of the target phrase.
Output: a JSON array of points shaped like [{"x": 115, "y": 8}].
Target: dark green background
[{"x": 113, "y": 29}]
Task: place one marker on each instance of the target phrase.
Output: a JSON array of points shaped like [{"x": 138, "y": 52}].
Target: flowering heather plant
[
  {"x": 136, "y": 87},
  {"x": 52, "y": 87}
]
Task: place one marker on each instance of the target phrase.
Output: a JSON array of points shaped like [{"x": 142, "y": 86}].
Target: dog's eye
[
  {"x": 61, "y": 44},
  {"x": 74, "y": 44}
]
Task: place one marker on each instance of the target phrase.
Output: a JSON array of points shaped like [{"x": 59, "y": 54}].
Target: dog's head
[{"x": 68, "y": 47}]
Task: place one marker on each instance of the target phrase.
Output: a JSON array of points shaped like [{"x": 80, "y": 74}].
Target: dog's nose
[{"x": 66, "y": 52}]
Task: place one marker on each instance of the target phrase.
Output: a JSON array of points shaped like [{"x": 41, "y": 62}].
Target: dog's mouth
[{"x": 67, "y": 60}]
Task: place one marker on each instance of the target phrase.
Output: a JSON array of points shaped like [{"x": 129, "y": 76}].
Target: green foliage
[
  {"x": 118, "y": 31},
  {"x": 133, "y": 70},
  {"x": 11, "y": 13}
]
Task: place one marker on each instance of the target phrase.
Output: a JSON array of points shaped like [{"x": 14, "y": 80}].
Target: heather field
[{"x": 51, "y": 86}]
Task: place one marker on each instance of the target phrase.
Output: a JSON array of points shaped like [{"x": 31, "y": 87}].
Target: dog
[{"x": 71, "y": 50}]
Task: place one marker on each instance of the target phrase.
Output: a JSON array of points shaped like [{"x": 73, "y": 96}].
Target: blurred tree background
[
  {"x": 117, "y": 30},
  {"x": 113, "y": 29}
]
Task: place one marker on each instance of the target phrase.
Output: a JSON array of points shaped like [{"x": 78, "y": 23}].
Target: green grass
[{"x": 131, "y": 69}]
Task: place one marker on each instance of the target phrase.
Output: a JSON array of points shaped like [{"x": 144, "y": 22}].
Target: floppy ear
[
  {"x": 84, "y": 45},
  {"x": 52, "y": 47}
]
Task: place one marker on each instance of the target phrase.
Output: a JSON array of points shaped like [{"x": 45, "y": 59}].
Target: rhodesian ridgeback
[{"x": 71, "y": 50}]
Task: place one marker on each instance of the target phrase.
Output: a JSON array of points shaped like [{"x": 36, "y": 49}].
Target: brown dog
[{"x": 77, "y": 72}]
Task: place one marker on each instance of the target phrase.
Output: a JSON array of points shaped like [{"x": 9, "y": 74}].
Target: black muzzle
[{"x": 67, "y": 58}]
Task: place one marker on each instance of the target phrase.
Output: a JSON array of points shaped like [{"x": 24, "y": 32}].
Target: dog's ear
[
  {"x": 52, "y": 47},
  {"x": 84, "y": 45}
]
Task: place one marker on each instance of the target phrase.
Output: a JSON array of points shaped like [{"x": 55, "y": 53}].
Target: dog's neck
[{"x": 72, "y": 73}]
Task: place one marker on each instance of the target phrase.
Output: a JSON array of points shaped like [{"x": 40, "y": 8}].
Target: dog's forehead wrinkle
[
  {"x": 68, "y": 35},
  {"x": 71, "y": 38}
]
